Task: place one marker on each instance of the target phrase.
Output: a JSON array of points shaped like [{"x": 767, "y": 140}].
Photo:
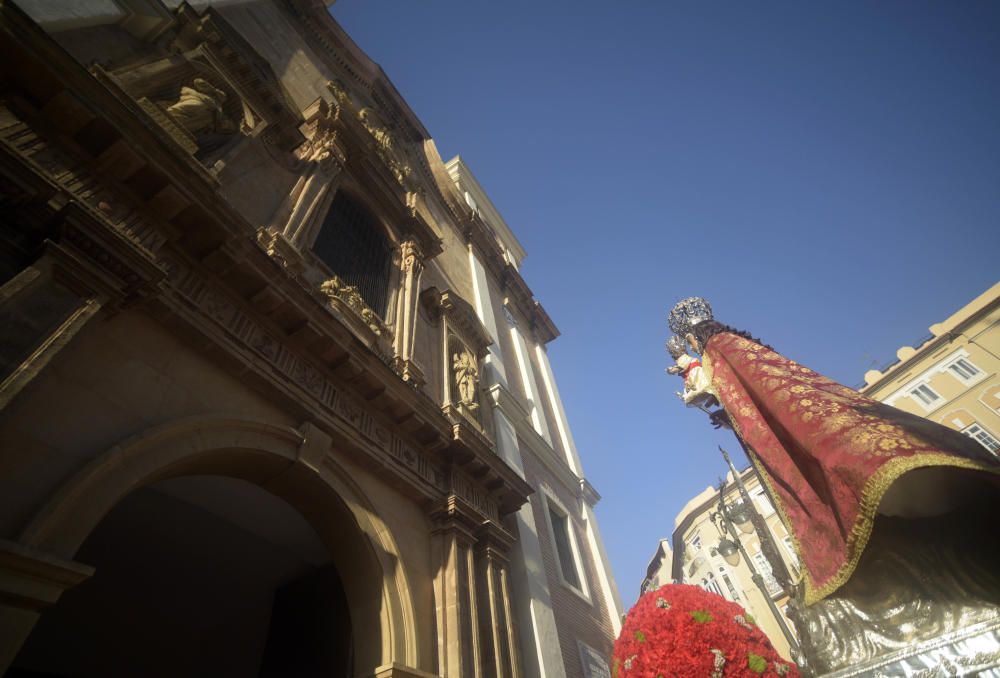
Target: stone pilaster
[
  {"x": 411, "y": 267},
  {"x": 454, "y": 539},
  {"x": 322, "y": 160},
  {"x": 498, "y": 637},
  {"x": 476, "y": 636}
]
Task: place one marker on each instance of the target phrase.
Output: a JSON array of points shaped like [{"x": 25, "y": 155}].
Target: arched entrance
[
  {"x": 222, "y": 535},
  {"x": 198, "y": 576}
]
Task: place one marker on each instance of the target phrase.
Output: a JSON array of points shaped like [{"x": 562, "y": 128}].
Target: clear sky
[{"x": 826, "y": 174}]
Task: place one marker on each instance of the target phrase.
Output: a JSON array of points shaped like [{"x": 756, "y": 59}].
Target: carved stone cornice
[
  {"x": 495, "y": 542},
  {"x": 589, "y": 493},
  {"x": 460, "y": 315},
  {"x": 280, "y": 250},
  {"x": 519, "y": 295},
  {"x": 457, "y": 515},
  {"x": 475, "y": 453}
]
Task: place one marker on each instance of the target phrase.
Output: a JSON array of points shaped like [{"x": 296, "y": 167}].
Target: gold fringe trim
[{"x": 871, "y": 497}]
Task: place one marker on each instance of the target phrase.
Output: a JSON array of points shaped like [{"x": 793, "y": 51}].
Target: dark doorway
[{"x": 197, "y": 576}]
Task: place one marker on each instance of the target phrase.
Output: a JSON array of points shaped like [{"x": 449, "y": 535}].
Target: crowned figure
[{"x": 892, "y": 515}]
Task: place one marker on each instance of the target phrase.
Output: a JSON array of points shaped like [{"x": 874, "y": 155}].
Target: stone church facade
[{"x": 275, "y": 396}]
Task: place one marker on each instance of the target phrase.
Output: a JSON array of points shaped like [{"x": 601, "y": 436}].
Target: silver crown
[
  {"x": 675, "y": 344},
  {"x": 687, "y": 313}
]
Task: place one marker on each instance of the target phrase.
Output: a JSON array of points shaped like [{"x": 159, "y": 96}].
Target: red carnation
[{"x": 680, "y": 631}]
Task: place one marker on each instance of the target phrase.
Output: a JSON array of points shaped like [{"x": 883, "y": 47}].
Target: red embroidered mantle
[{"x": 827, "y": 453}]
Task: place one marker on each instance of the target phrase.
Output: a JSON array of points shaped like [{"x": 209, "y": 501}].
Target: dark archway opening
[{"x": 198, "y": 576}]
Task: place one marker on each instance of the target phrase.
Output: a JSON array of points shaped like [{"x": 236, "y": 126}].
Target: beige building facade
[
  {"x": 696, "y": 559},
  {"x": 952, "y": 376},
  {"x": 275, "y": 396}
]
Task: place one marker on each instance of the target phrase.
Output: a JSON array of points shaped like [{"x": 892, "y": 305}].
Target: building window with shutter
[
  {"x": 963, "y": 369},
  {"x": 926, "y": 396}
]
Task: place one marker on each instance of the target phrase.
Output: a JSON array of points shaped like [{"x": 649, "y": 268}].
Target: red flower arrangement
[{"x": 680, "y": 631}]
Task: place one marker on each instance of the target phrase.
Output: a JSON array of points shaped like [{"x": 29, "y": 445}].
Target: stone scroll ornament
[
  {"x": 826, "y": 453},
  {"x": 681, "y": 630}
]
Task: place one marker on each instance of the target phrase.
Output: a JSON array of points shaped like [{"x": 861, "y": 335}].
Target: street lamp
[
  {"x": 731, "y": 548},
  {"x": 729, "y": 551},
  {"x": 741, "y": 518}
]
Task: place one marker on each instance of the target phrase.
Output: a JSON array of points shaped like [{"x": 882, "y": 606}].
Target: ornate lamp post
[{"x": 730, "y": 521}]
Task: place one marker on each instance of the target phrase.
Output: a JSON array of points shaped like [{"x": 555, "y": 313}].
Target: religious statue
[
  {"x": 198, "y": 109},
  {"x": 466, "y": 377},
  {"x": 861, "y": 486},
  {"x": 697, "y": 389}
]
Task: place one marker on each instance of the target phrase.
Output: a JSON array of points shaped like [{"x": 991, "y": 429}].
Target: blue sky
[{"x": 827, "y": 175}]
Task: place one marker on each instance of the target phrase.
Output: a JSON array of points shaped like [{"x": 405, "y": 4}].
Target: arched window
[{"x": 352, "y": 243}]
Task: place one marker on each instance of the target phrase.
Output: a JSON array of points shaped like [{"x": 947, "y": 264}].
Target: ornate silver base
[
  {"x": 924, "y": 601},
  {"x": 974, "y": 651}
]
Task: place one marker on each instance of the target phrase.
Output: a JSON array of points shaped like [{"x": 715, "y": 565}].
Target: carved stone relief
[
  {"x": 385, "y": 144},
  {"x": 335, "y": 289}
]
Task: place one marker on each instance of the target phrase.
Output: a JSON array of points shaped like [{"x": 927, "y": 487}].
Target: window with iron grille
[{"x": 354, "y": 246}]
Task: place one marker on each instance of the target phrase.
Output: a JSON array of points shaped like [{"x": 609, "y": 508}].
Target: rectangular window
[
  {"x": 696, "y": 543},
  {"x": 977, "y": 432},
  {"x": 925, "y": 395},
  {"x": 791, "y": 549},
  {"x": 729, "y": 584},
  {"x": 964, "y": 370},
  {"x": 764, "y": 506},
  {"x": 564, "y": 548},
  {"x": 764, "y": 568}
]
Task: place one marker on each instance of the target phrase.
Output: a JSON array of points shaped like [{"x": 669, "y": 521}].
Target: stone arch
[{"x": 290, "y": 463}]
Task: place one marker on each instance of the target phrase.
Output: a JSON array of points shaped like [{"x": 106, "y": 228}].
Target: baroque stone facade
[{"x": 273, "y": 386}]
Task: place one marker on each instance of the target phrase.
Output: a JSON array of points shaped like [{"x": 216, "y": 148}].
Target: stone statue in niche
[
  {"x": 466, "y": 377},
  {"x": 198, "y": 110}
]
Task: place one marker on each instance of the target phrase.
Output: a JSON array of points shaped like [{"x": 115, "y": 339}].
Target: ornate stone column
[
  {"x": 300, "y": 216},
  {"x": 498, "y": 637},
  {"x": 454, "y": 536},
  {"x": 411, "y": 265},
  {"x": 476, "y": 634}
]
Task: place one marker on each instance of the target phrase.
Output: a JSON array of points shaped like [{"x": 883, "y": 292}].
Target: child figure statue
[{"x": 697, "y": 388}]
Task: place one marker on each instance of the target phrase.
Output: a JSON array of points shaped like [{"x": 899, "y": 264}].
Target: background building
[
  {"x": 951, "y": 376},
  {"x": 275, "y": 395},
  {"x": 696, "y": 559},
  {"x": 660, "y": 569}
]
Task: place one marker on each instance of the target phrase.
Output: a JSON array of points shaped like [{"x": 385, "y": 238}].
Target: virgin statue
[{"x": 892, "y": 515}]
